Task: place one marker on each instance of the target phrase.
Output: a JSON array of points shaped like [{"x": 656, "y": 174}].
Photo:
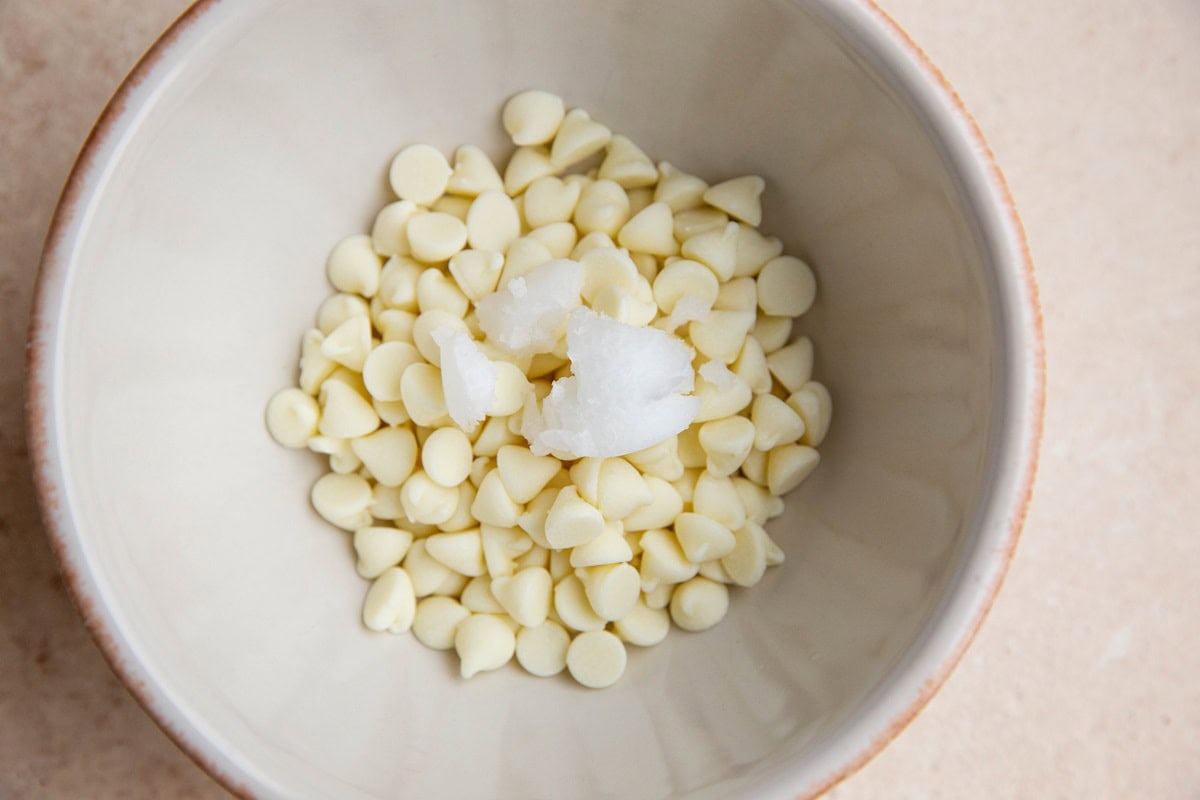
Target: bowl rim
[{"x": 931, "y": 90}]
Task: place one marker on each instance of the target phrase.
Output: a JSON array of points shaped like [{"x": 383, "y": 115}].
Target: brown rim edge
[
  {"x": 38, "y": 400},
  {"x": 38, "y": 411},
  {"x": 1033, "y": 444}
]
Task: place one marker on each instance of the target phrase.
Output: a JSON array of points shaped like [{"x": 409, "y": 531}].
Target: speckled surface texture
[{"x": 1083, "y": 682}]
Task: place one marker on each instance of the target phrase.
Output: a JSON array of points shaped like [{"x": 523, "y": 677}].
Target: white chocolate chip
[
  {"x": 686, "y": 485},
  {"x": 542, "y": 650},
  {"x": 585, "y": 475},
  {"x": 786, "y": 287},
  {"x": 715, "y": 572},
  {"x": 426, "y": 572},
  {"x": 493, "y": 505},
  {"x": 525, "y": 596},
  {"x": 748, "y": 559},
  {"x": 461, "y": 519},
  {"x": 550, "y": 200},
  {"x": 739, "y": 198},
  {"x": 483, "y": 642},
  {"x": 754, "y": 250},
  {"x": 511, "y": 390},
  {"x": 572, "y": 606},
  {"x": 559, "y": 564},
  {"x": 421, "y": 392},
  {"x": 699, "y": 604},
  {"x": 425, "y": 501},
  {"x": 775, "y": 422},
  {"x": 315, "y": 366},
  {"x": 384, "y": 367},
  {"x": 620, "y": 489},
  {"x": 695, "y": 221},
  {"x": 572, "y": 521},
  {"x": 379, "y": 548},
  {"x": 660, "y": 511},
  {"x": 792, "y": 364},
  {"x": 477, "y": 272},
  {"x": 473, "y": 174},
  {"x": 760, "y": 504},
  {"x": 389, "y": 235},
  {"x": 532, "y": 116},
  {"x": 337, "y": 308},
  {"x": 390, "y": 603},
  {"x": 603, "y": 208},
  {"x": 718, "y": 500},
  {"x": 342, "y": 500},
  {"x": 627, "y": 164},
  {"x": 559, "y": 238},
  {"x": 702, "y": 539},
  {"x": 292, "y": 417},
  {"x": 492, "y": 222},
  {"x": 537, "y": 556},
  {"x": 389, "y": 454},
  {"x": 436, "y": 621},
  {"x": 501, "y": 546},
  {"x": 724, "y": 396},
  {"x": 477, "y": 596},
  {"x": 395, "y": 325},
  {"x": 788, "y": 465},
  {"x": 436, "y": 236},
  {"x": 596, "y": 659},
  {"x": 438, "y": 292},
  {"x": 721, "y": 334},
  {"x": 533, "y": 519},
  {"x": 419, "y": 173},
  {"x": 523, "y": 474},
  {"x": 526, "y": 165},
  {"x": 349, "y": 343},
  {"x": 663, "y": 560},
  {"x": 353, "y": 266},
  {"x": 612, "y": 589},
  {"x": 578, "y": 137},
  {"x": 643, "y": 626},
  {"x": 814, "y": 405},
  {"x": 688, "y": 448},
  {"x": 345, "y": 413},
  {"x": 494, "y": 435},
  {"x": 461, "y": 551},
  {"x": 755, "y": 467},
  {"x": 610, "y": 547},
  {"x": 398, "y": 283},
  {"x": 650, "y": 231},
  {"x": 727, "y": 442},
  {"x": 738, "y": 294},
  {"x": 677, "y": 189},
  {"x": 716, "y": 249},
  {"x": 596, "y": 240},
  {"x": 751, "y": 366},
  {"x": 660, "y": 460},
  {"x": 659, "y": 597},
  {"x": 772, "y": 332},
  {"x": 385, "y": 504},
  {"x": 685, "y": 278},
  {"x": 446, "y": 456}
]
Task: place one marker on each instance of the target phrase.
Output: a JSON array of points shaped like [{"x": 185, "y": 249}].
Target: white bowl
[{"x": 186, "y": 259}]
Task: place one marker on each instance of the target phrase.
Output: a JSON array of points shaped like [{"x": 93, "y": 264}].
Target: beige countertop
[{"x": 1085, "y": 681}]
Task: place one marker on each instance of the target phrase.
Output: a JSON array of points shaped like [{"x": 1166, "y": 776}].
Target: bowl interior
[{"x": 195, "y": 262}]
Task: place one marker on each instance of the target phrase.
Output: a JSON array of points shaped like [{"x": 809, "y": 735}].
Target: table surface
[{"x": 1085, "y": 681}]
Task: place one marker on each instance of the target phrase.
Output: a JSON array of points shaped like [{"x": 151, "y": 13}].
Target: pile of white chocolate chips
[{"x": 558, "y": 407}]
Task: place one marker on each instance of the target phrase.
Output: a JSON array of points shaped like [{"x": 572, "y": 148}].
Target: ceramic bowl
[{"x": 187, "y": 258}]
